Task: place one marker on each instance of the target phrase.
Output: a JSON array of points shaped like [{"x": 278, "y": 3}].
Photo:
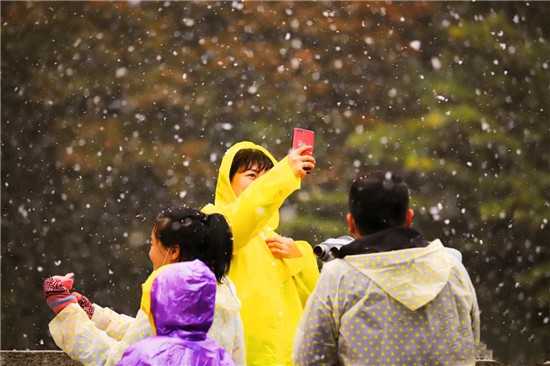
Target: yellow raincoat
[{"x": 273, "y": 291}]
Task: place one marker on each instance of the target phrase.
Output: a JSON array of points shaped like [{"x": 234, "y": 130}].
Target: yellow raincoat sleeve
[
  {"x": 304, "y": 270},
  {"x": 252, "y": 210}
]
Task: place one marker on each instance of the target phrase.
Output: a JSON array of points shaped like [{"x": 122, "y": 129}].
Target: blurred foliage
[
  {"x": 480, "y": 157},
  {"x": 112, "y": 111}
]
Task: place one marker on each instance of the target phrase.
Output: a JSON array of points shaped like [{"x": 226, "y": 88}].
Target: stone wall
[
  {"x": 33, "y": 358},
  {"x": 60, "y": 358}
]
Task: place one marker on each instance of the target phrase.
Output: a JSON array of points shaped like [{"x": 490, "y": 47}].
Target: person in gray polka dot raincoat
[{"x": 390, "y": 297}]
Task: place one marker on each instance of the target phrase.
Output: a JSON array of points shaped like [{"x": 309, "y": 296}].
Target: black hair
[
  {"x": 199, "y": 236},
  {"x": 246, "y": 159},
  {"x": 377, "y": 201}
]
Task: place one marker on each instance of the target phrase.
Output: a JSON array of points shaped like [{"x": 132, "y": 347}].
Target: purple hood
[
  {"x": 182, "y": 298},
  {"x": 179, "y": 299}
]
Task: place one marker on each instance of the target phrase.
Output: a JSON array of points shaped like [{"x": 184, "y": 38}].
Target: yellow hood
[{"x": 224, "y": 192}]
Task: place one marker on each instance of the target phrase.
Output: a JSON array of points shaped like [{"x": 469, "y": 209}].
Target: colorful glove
[
  {"x": 66, "y": 280},
  {"x": 56, "y": 294},
  {"x": 85, "y": 304}
]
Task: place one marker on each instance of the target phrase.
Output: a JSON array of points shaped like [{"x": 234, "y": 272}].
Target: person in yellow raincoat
[{"x": 273, "y": 275}]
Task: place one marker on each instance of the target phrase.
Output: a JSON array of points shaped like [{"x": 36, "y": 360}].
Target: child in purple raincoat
[{"x": 179, "y": 299}]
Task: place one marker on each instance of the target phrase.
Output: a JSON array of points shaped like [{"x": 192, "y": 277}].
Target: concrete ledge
[
  {"x": 60, "y": 358},
  {"x": 32, "y": 358}
]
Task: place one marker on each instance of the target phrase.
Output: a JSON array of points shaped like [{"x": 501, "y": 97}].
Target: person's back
[
  {"x": 390, "y": 297},
  {"x": 179, "y": 300},
  {"x": 404, "y": 306}
]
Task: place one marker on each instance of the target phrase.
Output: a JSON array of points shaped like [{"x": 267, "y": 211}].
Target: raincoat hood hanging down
[
  {"x": 179, "y": 299},
  {"x": 408, "y": 306},
  {"x": 273, "y": 290}
]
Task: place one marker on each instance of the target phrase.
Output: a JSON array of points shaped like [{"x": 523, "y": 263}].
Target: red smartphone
[{"x": 303, "y": 137}]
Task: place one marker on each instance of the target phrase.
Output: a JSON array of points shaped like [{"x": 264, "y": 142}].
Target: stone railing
[
  {"x": 60, "y": 358},
  {"x": 32, "y": 358}
]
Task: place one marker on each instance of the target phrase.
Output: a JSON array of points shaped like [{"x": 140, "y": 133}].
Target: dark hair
[
  {"x": 245, "y": 159},
  {"x": 377, "y": 201},
  {"x": 199, "y": 236}
]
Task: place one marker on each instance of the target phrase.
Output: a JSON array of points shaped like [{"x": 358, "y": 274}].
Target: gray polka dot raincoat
[{"x": 414, "y": 306}]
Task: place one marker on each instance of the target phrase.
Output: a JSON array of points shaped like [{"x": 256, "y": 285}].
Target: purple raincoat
[{"x": 179, "y": 299}]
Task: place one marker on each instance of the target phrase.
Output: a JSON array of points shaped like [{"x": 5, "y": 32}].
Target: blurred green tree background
[{"x": 112, "y": 111}]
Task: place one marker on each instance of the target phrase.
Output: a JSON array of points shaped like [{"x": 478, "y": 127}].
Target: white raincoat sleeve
[
  {"x": 470, "y": 294},
  {"x": 114, "y": 324},
  {"x": 101, "y": 341},
  {"x": 316, "y": 339},
  {"x": 227, "y": 327}
]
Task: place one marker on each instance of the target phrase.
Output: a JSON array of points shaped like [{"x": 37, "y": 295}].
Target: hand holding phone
[{"x": 302, "y": 137}]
